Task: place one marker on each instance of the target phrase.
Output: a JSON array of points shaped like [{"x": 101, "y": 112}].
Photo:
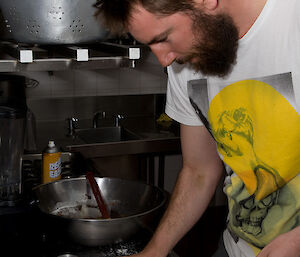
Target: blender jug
[{"x": 12, "y": 128}]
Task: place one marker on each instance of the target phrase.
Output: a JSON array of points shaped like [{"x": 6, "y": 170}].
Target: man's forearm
[{"x": 189, "y": 200}]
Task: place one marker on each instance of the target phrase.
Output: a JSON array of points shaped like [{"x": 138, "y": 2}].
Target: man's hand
[{"x": 285, "y": 245}]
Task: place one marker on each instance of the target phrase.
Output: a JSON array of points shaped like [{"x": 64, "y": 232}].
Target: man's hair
[{"x": 115, "y": 14}]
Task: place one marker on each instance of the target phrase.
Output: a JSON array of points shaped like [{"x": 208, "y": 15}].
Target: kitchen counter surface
[{"x": 151, "y": 138}]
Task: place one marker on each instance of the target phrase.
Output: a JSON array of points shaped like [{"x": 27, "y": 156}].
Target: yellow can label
[{"x": 51, "y": 167}]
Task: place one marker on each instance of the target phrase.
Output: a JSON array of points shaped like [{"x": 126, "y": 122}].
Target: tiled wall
[
  {"x": 147, "y": 78},
  {"x": 63, "y": 91},
  {"x": 131, "y": 106}
]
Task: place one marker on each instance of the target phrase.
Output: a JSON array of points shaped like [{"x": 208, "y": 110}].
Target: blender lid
[{"x": 12, "y": 113}]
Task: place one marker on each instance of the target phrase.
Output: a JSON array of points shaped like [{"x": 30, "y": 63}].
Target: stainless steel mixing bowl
[
  {"x": 51, "y": 21},
  {"x": 138, "y": 206}
]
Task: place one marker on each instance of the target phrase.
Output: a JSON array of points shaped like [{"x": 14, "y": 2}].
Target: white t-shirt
[{"x": 253, "y": 115}]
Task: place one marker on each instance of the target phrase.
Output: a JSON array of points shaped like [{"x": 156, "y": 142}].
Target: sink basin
[{"x": 105, "y": 135}]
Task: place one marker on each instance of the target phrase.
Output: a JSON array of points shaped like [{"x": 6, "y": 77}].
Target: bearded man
[{"x": 234, "y": 86}]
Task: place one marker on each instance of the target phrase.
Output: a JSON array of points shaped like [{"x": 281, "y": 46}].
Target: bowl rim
[{"x": 134, "y": 216}]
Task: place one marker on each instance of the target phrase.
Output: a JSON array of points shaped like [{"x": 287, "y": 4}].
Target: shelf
[{"x": 17, "y": 58}]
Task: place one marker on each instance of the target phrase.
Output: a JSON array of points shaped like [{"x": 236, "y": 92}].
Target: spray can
[{"x": 51, "y": 163}]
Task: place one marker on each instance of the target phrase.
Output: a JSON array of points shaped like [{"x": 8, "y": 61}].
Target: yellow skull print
[
  {"x": 258, "y": 135},
  {"x": 254, "y": 136}
]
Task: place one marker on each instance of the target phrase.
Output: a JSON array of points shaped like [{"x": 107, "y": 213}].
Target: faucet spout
[
  {"x": 71, "y": 125},
  {"x": 118, "y": 119},
  {"x": 97, "y": 116}
]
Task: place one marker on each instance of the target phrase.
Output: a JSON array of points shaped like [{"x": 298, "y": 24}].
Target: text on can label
[{"x": 55, "y": 169}]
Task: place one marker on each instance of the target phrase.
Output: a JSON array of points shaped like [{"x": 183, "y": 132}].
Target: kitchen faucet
[
  {"x": 118, "y": 119},
  {"x": 71, "y": 125},
  {"x": 97, "y": 116}
]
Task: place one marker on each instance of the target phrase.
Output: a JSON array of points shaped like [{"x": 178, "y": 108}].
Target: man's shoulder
[{"x": 183, "y": 71}]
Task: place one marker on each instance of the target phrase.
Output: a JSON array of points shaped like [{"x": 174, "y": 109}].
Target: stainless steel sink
[{"x": 105, "y": 135}]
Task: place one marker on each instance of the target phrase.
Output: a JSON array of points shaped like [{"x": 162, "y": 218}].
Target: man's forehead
[
  {"x": 139, "y": 13},
  {"x": 144, "y": 25}
]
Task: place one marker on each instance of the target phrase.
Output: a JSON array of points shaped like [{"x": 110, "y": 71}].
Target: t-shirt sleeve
[{"x": 178, "y": 105}]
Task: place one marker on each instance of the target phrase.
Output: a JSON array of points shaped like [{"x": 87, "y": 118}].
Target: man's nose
[{"x": 164, "y": 56}]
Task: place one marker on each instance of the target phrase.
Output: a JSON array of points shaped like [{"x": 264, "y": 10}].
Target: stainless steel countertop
[{"x": 153, "y": 138}]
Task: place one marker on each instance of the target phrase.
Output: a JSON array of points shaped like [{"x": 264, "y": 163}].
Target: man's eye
[{"x": 162, "y": 40}]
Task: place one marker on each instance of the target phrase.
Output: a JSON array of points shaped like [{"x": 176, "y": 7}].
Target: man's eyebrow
[{"x": 159, "y": 37}]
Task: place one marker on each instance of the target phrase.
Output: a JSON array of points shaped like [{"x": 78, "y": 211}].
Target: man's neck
[{"x": 244, "y": 13}]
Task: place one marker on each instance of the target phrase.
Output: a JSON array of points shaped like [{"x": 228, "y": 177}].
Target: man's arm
[
  {"x": 285, "y": 245},
  {"x": 196, "y": 184}
]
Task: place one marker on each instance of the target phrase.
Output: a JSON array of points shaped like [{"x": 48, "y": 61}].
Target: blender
[{"x": 12, "y": 128}]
